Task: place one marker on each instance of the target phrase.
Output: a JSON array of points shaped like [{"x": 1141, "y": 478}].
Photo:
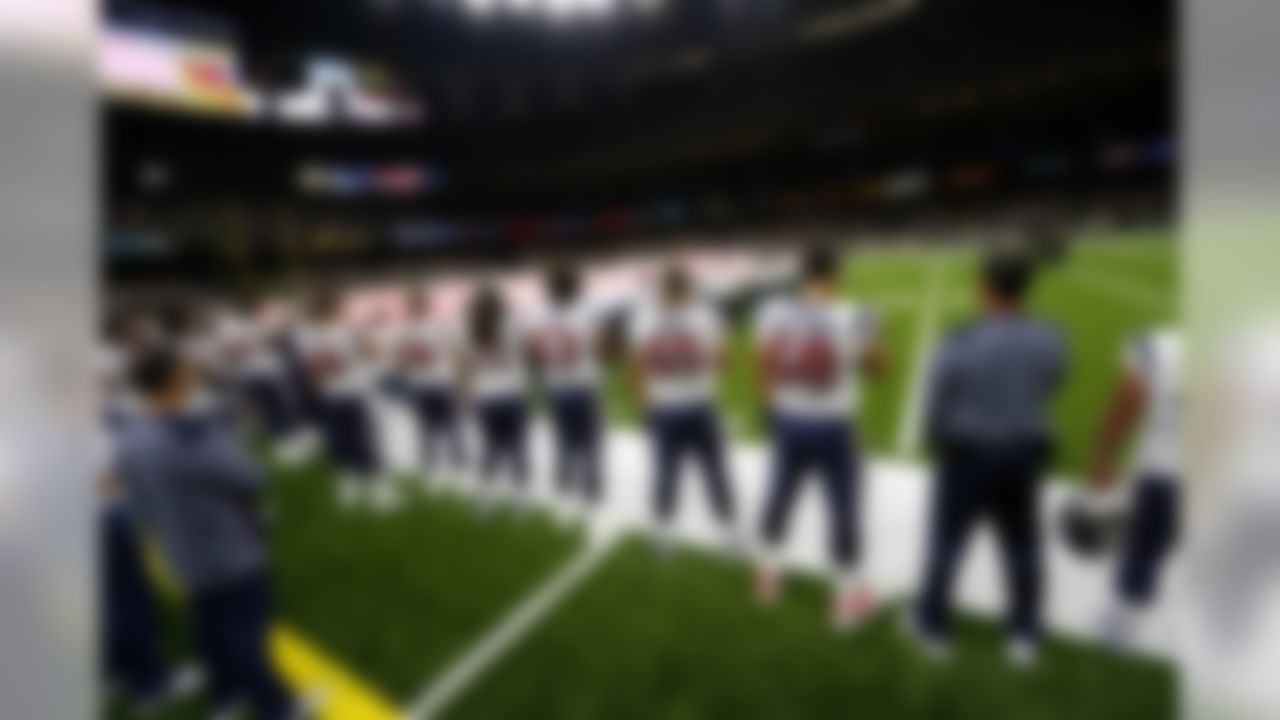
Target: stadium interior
[{"x": 382, "y": 147}]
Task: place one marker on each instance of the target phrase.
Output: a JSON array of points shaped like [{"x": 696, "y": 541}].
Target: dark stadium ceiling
[
  {"x": 459, "y": 59},
  {"x": 522, "y": 102}
]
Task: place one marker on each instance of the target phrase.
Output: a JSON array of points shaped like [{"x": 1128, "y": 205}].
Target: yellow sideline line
[
  {"x": 303, "y": 665},
  {"x": 309, "y": 669}
]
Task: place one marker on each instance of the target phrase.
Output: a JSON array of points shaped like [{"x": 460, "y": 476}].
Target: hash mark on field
[
  {"x": 473, "y": 663},
  {"x": 911, "y": 420}
]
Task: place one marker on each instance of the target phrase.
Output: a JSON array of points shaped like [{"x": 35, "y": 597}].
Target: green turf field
[
  {"x": 397, "y": 597},
  {"x": 670, "y": 638}
]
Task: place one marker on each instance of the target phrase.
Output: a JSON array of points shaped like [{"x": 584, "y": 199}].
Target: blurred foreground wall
[
  {"x": 1231, "y": 265},
  {"x": 47, "y": 189}
]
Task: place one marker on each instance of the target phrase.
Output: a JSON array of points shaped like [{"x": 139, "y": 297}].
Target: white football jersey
[
  {"x": 813, "y": 351},
  {"x": 331, "y": 353},
  {"x": 679, "y": 348},
  {"x": 1156, "y": 358},
  {"x": 425, "y": 353},
  {"x": 243, "y": 348},
  {"x": 565, "y": 340},
  {"x": 380, "y": 340},
  {"x": 199, "y": 347},
  {"x": 500, "y": 372}
]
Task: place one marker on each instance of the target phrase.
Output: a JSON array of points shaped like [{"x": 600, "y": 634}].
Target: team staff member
[
  {"x": 987, "y": 411},
  {"x": 813, "y": 346},
  {"x": 196, "y": 490},
  {"x": 131, "y": 647},
  {"x": 677, "y": 349}
]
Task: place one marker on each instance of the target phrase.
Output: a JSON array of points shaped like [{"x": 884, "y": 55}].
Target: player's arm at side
[
  {"x": 610, "y": 339},
  {"x": 530, "y": 351},
  {"x": 635, "y": 372},
  {"x": 220, "y": 458},
  {"x": 938, "y": 389},
  {"x": 764, "y": 375},
  {"x": 366, "y": 342},
  {"x": 314, "y": 364},
  {"x": 464, "y": 363},
  {"x": 874, "y": 361},
  {"x": 1128, "y": 399},
  {"x": 530, "y": 347},
  {"x": 637, "y": 379}
]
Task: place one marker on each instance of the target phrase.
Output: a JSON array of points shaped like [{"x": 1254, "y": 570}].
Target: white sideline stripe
[
  {"x": 911, "y": 420},
  {"x": 1133, "y": 292},
  {"x": 506, "y": 634}
]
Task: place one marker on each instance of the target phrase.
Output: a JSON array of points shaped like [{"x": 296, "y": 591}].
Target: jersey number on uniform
[
  {"x": 673, "y": 353},
  {"x": 326, "y": 364},
  {"x": 807, "y": 361},
  {"x": 558, "y": 348},
  {"x": 416, "y": 354}
]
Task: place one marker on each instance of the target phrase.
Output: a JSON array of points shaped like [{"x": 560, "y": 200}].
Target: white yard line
[
  {"x": 911, "y": 420},
  {"x": 495, "y": 644}
]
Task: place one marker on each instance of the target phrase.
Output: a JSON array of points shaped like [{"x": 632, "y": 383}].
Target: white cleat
[
  {"x": 293, "y": 450},
  {"x": 230, "y": 711},
  {"x": 486, "y": 502},
  {"x": 350, "y": 493},
  {"x": 663, "y": 543},
  {"x": 522, "y": 500},
  {"x": 567, "y": 513},
  {"x": 1022, "y": 653},
  {"x": 934, "y": 649},
  {"x": 309, "y": 705},
  {"x": 383, "y": 494},
  {"x": 183, "y": 683},
  {"x": 733, "y": 544}
]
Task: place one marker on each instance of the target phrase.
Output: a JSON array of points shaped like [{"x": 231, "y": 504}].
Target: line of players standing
[{"x": 812, "y": 348}]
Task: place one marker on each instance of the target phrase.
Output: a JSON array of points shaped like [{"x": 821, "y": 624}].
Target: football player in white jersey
[
  {"x": 567, "y": 340},
  {"x": 677, "y": 352},
  {"x": 1148, "y": 400},
  {"x": 126, "y": 334},
  {"x": 379, "y": 335},
  {"x": 293, "y": 325},
  {"x": 812, "y": 348},
  {"x": 334, "y": 358},
  {"x": 190, "y": 328},
  {"x": 247, "y": 349},
  {"x": 495, "y": 377},
  {"x": 425, "y": 359}
]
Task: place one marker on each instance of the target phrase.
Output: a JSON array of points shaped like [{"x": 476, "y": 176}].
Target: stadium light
[
  {"x": 480, "y": 8},
  {"x": 558, "y": 9}
]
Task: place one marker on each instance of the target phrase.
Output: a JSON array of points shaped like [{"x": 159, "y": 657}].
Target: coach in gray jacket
[
  {"x": 196, "y": 490},
  {"x": 987, "y": 415}
]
